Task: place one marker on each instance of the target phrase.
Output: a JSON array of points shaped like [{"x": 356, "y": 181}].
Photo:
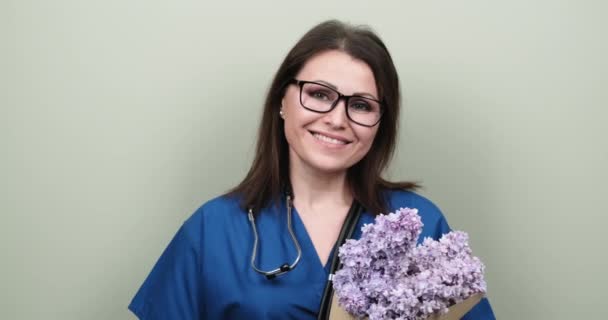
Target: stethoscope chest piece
[{"x": 347, "y": 230}]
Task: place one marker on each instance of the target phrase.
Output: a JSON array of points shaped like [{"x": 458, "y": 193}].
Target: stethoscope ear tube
[{"x": 348, "y": 227}]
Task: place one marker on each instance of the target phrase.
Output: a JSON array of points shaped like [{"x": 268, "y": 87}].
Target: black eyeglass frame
[{"x": 301, "y": 83}]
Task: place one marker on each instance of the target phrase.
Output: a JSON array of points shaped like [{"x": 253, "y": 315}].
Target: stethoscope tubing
[
  {"x": 284, "y": 268},
  {"x": 348, "y": 227}
]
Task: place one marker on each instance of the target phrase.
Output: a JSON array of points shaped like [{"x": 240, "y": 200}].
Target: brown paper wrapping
[{"x": 455, "y": 312}]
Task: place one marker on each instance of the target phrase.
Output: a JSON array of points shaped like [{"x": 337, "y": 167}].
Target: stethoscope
[
  {"x": 285, "y": 267},
  {"x": 348, "y": 227}
]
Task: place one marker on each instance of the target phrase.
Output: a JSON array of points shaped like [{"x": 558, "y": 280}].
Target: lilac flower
[{"x": 385, "y": 275}]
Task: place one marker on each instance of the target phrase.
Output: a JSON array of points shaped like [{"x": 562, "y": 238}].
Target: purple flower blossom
[{"x": 385, "y": 275}]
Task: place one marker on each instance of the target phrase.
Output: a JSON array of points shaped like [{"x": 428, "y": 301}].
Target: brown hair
[{"x": 269, "y": 173}]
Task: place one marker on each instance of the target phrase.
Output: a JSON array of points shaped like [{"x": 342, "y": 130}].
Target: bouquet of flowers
[{"x": 385, "y": 275}]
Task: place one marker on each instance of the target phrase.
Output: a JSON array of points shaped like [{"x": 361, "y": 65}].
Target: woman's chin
[{"x": 329, "y": 168}]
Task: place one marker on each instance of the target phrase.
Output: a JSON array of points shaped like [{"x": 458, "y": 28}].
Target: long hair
[{"x": 269, "y": 172}]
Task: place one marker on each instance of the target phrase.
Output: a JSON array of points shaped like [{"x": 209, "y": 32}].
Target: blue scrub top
[{"x": 205, "y": 271}]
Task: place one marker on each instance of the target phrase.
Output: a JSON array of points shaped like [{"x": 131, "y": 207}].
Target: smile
[{"x": 331, "y": 140}]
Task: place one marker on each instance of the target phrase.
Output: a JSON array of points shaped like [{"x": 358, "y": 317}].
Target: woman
[{"x": 262, "y": 251}]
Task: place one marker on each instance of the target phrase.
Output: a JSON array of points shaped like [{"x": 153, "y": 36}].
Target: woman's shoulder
[
  {"x": 398, "y": 198},
  {"x": 219, "y": 208},
  {"x": 429, "y": 212}
]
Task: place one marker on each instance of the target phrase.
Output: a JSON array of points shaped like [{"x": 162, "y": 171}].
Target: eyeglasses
[{"x": 321, "y": 98}]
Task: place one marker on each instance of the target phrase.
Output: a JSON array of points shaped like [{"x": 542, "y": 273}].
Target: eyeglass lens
[{"x": 320, "y": 98}]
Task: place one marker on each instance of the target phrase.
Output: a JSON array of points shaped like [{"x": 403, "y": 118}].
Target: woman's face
[{"x": 328, "y": 142}]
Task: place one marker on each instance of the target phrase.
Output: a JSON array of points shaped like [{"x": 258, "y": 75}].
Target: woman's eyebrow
[
  {"x": 354, "y": 94},
  {"x": 327, "y": 84}
]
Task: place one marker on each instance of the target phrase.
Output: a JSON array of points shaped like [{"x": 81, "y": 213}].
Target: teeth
[{"x": 328, "y": 139}]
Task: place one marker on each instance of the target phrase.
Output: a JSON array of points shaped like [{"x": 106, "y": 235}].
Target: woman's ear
[{"x": 281, "y": 112}]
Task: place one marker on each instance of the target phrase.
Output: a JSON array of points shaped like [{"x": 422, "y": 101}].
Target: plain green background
[{"x": 120, "y": 118}]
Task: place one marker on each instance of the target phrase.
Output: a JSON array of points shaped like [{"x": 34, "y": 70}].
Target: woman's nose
[{"x": 337, "y": 117}]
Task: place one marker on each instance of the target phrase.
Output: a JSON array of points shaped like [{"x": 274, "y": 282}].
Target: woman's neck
[{"x": 314, "y": 189}]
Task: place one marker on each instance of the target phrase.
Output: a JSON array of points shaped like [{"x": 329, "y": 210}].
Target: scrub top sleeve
[
  {"x": 172, "y": 289},
  {"x": 481, "y": 311},
  {"x": 441, "y": 227},
  {"x": 435, "y": 223}
]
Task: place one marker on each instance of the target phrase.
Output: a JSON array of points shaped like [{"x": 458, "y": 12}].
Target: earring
[{"x": 281, "y": 114}]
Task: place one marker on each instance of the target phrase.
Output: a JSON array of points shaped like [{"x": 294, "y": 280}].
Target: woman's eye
[
  {"x": 320, "y": 95},
  {"x": 360, "y": 106}
]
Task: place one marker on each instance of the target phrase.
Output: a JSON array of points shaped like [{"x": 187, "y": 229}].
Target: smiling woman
[
  {"x": 327, "y": 133},
  {"x": 326, "y": 140}
]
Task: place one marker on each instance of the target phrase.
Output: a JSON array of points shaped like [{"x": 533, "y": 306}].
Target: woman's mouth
[{"x": 331, "y": 140}]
